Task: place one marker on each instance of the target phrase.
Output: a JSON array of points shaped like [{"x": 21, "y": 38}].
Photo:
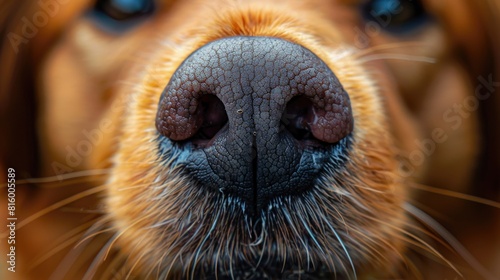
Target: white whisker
[
  {"x": 393, "y": 56},
  {"x": 452, "y": 241},
  {"x": 344, "y": 248},
  {"x": 63, "y": 177},
  {"x": 99, "y": 258},
  {"x": 71, "y": 257}
]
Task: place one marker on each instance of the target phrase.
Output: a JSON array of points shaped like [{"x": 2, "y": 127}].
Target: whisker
[
  {"x": 115, "y": 269},
  {"x": 263, "y": 237},
  {"x": 343, "y": 248},
  {"x": 63, "y": 242},
  {"x": 369, "y": 246},
  {"x": 60, "y": 204},
  {"x": 183, "y": 248},
  {"x": 457, "y": 246},
  {"x": 291, "y": 224},
  {"x": 122, "y": 232},
  {"x": 421, "y": 243},
  {"x": 157, "y": 267},
  {"x": 311, "y": 236},
  {"x": 413, "y": 226},
  {"x": 388, "y": 46},
  {"x": 200, "y": 246},
  {"x": 69, "y": 260},
  {"x": 92, "y": 269},
  {"x": 83, "y": 210},
  {"x": 394, "y": 56},
  {"x": 135, "y": 163},
  {"x": 129, "y": 274},
  {"x": 61, "y": 179},
  {"x": 412, "y": 268},
  {"x": 458, "y": 195},
  {"x": 427, "y": 247},
  {"x": 90, "y": 236},
  {"x": 134, "y": 187}
]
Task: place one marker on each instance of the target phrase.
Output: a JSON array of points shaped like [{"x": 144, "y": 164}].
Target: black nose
[{"x": 254, "y": 117}]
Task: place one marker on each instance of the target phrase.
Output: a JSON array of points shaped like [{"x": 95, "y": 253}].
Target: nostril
[
  {"x": 312, "y": 125},
  {"x": 195, "y": 120},
  {"x": 213, "y": 116},
  {"x": 297, "y": 118}
]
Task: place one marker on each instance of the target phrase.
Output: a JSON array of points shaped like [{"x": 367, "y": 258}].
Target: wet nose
[{"x": 254, "y": 117}]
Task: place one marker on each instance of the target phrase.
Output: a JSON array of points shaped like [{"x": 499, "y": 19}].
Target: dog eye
[
  {"x": 119, "y": 15},
  {"x": 396, "y": 16}
]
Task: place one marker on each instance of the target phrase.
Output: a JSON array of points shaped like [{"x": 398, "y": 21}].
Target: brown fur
[{"x": 109, "y": 221}]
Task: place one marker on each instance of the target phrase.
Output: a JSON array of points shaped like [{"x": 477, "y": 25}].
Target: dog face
[{"x": 262, "y": 140}]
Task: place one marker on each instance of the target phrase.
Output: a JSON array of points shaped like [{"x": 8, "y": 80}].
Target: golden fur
[{"x": 107, "y": 211}]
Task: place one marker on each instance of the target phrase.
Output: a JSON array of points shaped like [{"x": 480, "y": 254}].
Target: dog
[{"x": 250, "y": 140}]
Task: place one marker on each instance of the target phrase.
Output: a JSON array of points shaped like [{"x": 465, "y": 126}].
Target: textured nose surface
[{"x": 254, "y": 117}]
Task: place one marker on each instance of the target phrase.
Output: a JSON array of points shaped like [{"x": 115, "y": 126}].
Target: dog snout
[{"x": 254, "y": 117}]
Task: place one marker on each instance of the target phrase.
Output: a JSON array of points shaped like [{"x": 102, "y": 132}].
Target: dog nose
[{"x": 254, "y": 117}]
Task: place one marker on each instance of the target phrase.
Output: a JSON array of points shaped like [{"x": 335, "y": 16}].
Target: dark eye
[
  {"x": 120, "y": 15},
  {"x": 396, "y": 16}
]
